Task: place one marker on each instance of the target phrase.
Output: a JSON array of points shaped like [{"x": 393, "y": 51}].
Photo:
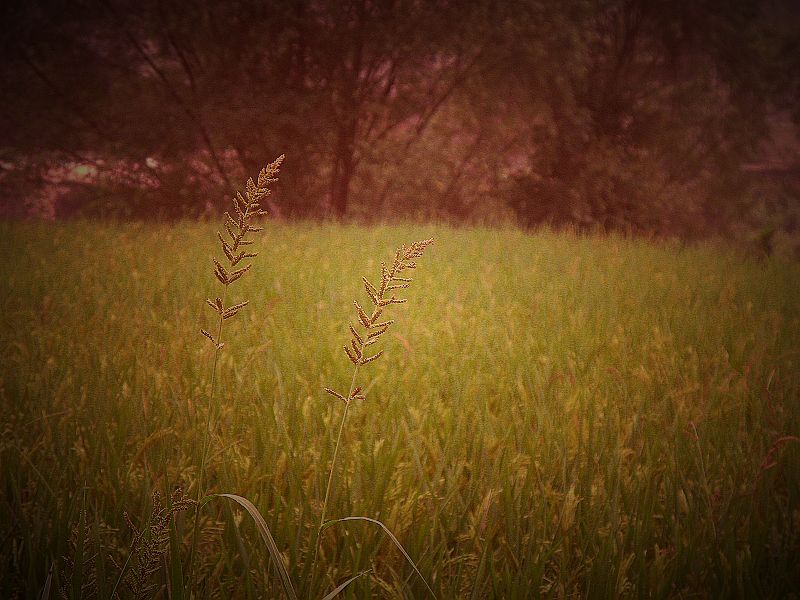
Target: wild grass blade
[
  {"x": 78, "y": 563},
  {"x": 392, "y": 537},
  {"x": 45, "y": 595},
  {"x": 342, "y": 586},
  {"x": 175, "y": 565},
  {"x": 266, "y": 535}
]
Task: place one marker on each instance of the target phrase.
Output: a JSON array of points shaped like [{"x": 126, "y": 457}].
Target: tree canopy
[{"x": 612, "y": 113}]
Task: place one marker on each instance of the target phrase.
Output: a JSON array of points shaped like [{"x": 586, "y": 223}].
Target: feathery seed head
[
  {"x": 369, "y": 359},
  {"x": 150, "y": 543},
  {"x": 373, "y": 329},
  {"x": 350, "y": 355},
  {"x": 379, "y": 330},
  {"x": 362, "y": 316},
  {"x": 246, "y": 207},
  {"x": 356, "y": 335}
]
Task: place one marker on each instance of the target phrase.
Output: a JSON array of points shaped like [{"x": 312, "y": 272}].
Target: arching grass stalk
[
  {"x": 235, "y": 250},
  {"x": 368, "y": 330}
]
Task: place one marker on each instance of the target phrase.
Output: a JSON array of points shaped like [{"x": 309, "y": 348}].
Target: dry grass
[
  {"x": 149, "y": 546},
  {"x": 572, "y": 416},
  {"x": 374, "y": 326},
  {"x": 235, "y": 250}
]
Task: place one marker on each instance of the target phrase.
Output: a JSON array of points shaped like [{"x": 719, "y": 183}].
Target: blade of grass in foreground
[
  {"x": 391, "y": 537},
  {"x": 263, "y": 529},
  {"x": 341, "y": 586},
  {"x": 45, "y": 595}
]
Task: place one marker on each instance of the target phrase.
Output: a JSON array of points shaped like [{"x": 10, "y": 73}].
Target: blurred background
[{"x": 670, "y": 118}]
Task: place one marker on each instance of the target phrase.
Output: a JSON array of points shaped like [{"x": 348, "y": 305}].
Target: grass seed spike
[
  {"x": 246, "y": 207},
  {"x": 381, "y": 297},
  {"x": 374, "y": 325},
  {"x": 236, "y": 249}
]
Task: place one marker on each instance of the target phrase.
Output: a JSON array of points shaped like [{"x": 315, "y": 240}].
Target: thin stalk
[
  {"x": 356, "y": 353},
  {"x": 207, "y": 433},
  {"x": 330, "y": 473},
  {"x": 206, "y": 444},
  {"x": 391, "y": 273},
  {"x": 121, "y": 575},
  {"x": 705, "y": 482},
  {"x": 336, "y": 448}
]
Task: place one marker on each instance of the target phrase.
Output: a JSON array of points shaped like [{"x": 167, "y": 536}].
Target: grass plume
[
  {"x": 359, "y": 351},
  {"x": 150, "y": 544},
  {"x": 235, "y": 249}
]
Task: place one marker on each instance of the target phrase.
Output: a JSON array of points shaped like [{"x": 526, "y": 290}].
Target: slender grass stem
[
  {"x": 336, "y": 449},
  {"x": 237, "y": 229},
  {"x": 122, "y": 572},
  {"x": 373, "y": 330},
  {"x": 330, "y": 473},
  {"x": 206, "y": 445},
  {"x": 706, "y": 488}
]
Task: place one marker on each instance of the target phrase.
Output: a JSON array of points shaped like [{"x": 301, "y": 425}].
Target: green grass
[{"x": 554, "y": 415}]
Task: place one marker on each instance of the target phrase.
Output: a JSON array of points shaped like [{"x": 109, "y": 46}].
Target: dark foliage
[{"x": 618, "y": 113}]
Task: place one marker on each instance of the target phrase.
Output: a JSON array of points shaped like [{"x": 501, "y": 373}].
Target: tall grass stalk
[
  {"x": 359, "y": 342},
  {"x": 246, "y": 207},
  {"x": 336, "y": 452}
]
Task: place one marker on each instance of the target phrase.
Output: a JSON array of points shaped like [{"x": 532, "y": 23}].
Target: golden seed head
[
  {"x": 246, "y": 207},
  {"x": 336, "y": 394},
  {"x": 390, "y": 281}
]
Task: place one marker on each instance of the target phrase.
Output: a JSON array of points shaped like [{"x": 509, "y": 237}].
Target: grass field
[{"x": 554, "y": 415}]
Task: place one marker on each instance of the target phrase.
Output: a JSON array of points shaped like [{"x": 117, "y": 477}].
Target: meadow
[{"x": 554, "y": 415}]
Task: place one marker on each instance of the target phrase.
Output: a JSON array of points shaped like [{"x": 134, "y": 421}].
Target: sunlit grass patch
[{"x": 561, "y": 414}]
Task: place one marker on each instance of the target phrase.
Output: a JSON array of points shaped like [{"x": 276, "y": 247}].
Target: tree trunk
[
  {"x": 343, "y": 167},
  {"x": 344, "y": 160}
]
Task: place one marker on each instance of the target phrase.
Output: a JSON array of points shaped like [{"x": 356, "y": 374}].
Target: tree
[
  {"x": 639, "y": 113},
  {"x": 612, "y": 113}
]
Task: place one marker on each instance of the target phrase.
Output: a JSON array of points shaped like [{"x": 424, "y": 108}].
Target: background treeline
[{"x": 634, "y": 114}]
